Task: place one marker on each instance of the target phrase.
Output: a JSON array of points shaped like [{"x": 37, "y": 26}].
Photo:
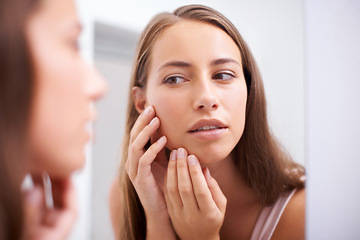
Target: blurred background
[{"x": 308, "y": 54}]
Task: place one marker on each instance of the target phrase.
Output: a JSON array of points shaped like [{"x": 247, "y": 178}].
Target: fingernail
[
  {"x": 153, "y": 121},
  {"x": 173, "y": 155},
  {"x": 207, "y": 173},
  {"x": 192, "y": 160},
  {"x": 162, "y": 139},
  {"x": 181, "y": 153},
  {"x": 147, "y": 110}
]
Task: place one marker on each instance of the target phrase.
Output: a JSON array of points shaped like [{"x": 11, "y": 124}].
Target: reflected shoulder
[{"x": 292, "y": 222}]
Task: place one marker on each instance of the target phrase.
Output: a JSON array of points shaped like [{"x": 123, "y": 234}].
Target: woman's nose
[
  {"x": 97, "y": 86},
  {"x": 205, "y": 97}
]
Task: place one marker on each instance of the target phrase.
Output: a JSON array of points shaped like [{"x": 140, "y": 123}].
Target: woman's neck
[
  {"x": 243, "y": 206},
  {"x": 230, "y": 181}
]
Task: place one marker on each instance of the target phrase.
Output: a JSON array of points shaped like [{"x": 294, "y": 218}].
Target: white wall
[
  {"x": 333, "y": 119},
  {"x": 274, "y": 32}
]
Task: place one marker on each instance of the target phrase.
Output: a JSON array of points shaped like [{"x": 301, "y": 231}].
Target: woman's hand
[
  {"x": 195, "y": 202},
  {"x": 147, "y": 170},
  {"x": 42, "y": 222}
]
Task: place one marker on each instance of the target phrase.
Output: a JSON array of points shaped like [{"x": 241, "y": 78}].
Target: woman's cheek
[
  {"x": 171, "y": 109},
  {"x": 168, "y": 127}
]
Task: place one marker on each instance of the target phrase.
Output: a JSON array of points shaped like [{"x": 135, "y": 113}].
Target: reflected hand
[
  {"x": 195, "y": 202},
  {"x": 144, "y": 167}
]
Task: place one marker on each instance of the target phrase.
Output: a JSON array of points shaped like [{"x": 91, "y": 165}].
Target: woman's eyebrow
[
  {"x": 175, "y": 64},
  {"x": 183, "y": 64},
  {"x": 220, "y": 61}
]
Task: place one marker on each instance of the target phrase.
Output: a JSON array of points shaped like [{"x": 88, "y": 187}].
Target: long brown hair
[
  {"x": 16, "y": 83},
  {"x": 263, "y": 164}
]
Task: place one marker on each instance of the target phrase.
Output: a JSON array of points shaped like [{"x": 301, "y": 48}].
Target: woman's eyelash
[
  {"x": 172, "y": 80},
  {"x": 224, "y": 76},
  {"x": 176, "y": 79}
]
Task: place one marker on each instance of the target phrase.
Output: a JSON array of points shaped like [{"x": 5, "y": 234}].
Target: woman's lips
[
  {"x": 208, "y": 129},
  {"x": 207, "y": 124},
  {"x": 209, "y": 134}
]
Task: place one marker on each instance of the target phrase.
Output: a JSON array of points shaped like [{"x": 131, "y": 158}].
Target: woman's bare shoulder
[
  {"x": 115, "y": 205},
  {"x": 292, "y": 222}
]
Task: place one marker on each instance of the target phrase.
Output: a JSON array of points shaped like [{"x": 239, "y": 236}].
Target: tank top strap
[{"x": 269, "y": 217}]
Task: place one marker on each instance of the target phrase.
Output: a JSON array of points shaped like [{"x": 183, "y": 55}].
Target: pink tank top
[{"x": 269, "y": 218}]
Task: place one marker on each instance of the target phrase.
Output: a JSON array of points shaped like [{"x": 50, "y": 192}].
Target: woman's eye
[
  {"x": 172, "y": 80},
  {"x": 223, "y": 76}
]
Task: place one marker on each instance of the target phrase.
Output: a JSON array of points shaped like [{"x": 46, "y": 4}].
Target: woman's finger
[
  {"x": 172, "y": 182},
  {"x": 163, "y": 156},
  {"x": 169, "y": 203},
  {"x": 136, "y": 149},
  {"x": 149, "y": 156},
  {"x": 218, "y": 196},
  {"x": 33, "y": 208},
  {"x": 42, "y": 222},
  {"x": 184, "y": 181},
  {"x": 144, "y": 136},
  {"x": 64, "y": 194},
  {"x": 201, "y": 190},
  {"x": 143, "y": 120},
  {"x": 65, "y": 205}
]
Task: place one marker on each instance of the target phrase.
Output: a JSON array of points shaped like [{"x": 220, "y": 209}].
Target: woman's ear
[{"x": 139, "y": 97}]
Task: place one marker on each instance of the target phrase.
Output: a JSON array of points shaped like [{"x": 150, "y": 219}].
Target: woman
[
  {"x": 199, "y": 161},
  {"x": 46, "y": 95}
]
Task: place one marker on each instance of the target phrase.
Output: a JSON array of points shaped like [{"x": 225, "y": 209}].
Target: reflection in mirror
[{"x": 275, "y": 39}]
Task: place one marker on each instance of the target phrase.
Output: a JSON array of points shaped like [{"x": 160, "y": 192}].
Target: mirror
[{"x": 274, "y": 33}]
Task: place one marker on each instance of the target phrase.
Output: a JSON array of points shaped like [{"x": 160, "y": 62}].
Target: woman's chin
[
  {"x": 67, "y": 168},
  {"x": 207, "y": 156}
]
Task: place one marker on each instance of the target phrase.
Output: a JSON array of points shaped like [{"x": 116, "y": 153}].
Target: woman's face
[
  {"x": 198, "y": 89},
  {"x": 65, "y": 87}
]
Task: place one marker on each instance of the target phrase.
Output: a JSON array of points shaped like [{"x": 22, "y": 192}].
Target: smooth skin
[
  {"x": 64, "y": 92},
  {"x": 197, "y": 193}
]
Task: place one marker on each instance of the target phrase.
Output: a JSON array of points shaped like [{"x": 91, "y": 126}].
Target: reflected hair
[
  {"x": 16, "y": 89},
  {"x": 263, "y": 164}
]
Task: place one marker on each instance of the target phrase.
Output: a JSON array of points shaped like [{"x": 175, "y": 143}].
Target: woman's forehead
[{"x": 190, "y": 40}]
